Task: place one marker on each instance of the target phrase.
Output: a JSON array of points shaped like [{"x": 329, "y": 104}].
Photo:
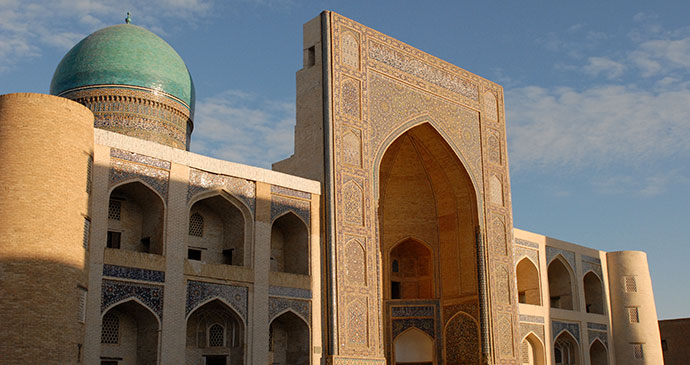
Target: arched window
[
  {"x": 560, "y": 285},
  {"x": 196, "y": 225},
  {"x": 593, "y": 298},
  {"x": 136, "y": 216},
  {"x": 528, "y": 282},
  {"x": 565, "y": 350},
  {"x": 290, "y": 245},
  {"x": 216, "y": 336},
  {"x": 110, "y": 331},
  {"x": 598, "y": 354}
]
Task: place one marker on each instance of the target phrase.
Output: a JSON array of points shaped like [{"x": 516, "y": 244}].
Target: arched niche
[
  {"x": 413, "y": 346},
  {"x": 218, "y": 230},
  {"x": 427, "y": 218},
  {"x": 598, "y": 355},
  {"x": 565, "y": 350},
  {"x": 528, "y": 282},
  {"x": 411, "y": 270},
  {"x": 532, "y": 351},
  {"x": 594, "y": 300},
  {"x": 289, "y": 341},
  {"x": 290, "y": 245},
  {"x": 561, "y": 284},
  {"x": 136, "y": 219},
  {"x": 129, "y": 330},
  {"x": 215, "y": 333}
]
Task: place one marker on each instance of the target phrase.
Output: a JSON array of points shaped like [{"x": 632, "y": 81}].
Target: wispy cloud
[
  {"x": 244, "y": 128},
  {"x": 605, "y": 67},
  {"x": 26, "y": 27}
]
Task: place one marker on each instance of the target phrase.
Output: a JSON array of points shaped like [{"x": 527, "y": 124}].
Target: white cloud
[
  {"x": 662, "y": 56},
  {"x": 244, "y": 128},
  {"x": 604, "y": 66},
  {"x": 564, "y": 128},
  {"x": 26, "y": 27}
]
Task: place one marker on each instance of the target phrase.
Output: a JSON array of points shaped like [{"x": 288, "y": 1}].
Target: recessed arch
[
  {"x": 215, "y": 328},
  {"x": 594, "y": 300},
  {"x": 461, "y": 335},
  {"x": 413, "y": 346},
  {"x": 134, "y": 337},
  {"x": 234, "y": 310},
  {"x": 598, "y": 353},
  {"x": 289, "y": 340},
  {"x": 136, "y": 218},
  {"x": 415, "y": 276},
  {"x": 227, "y": 235},
  {"x": 532, "y": 350},
  {"x": 566, "y": 350},
  {"x": 290, "y": 244},
  {"x": 561, "y": 284},
  {"x": 528, "y": 282}
]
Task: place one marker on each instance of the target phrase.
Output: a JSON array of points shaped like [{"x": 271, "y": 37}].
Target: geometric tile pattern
[
  {"x": 123, "y": 170},
  {"x": 281, "y": 204},
  {"x": 572, "y": 328},
  {"x": 569, "y": 256},
  {"x": 133, "y": 273},
  {"x": 277, "y": 305},
  {"x": 199, "y": 292},
  {"x": 284, "y": 291},
  {"x": 115, "y": 291},
  {"x": 242, "y": 189}
]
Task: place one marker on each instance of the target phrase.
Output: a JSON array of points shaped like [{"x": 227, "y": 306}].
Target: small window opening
[
  {"x": 110, "y": 330},
  {"x": 664, "y": 345},
  {"x": 638, "y": 354},
  {"x": 216, "y": 336},
  {"x": 227, "y": 256},
  {"x": 146, "y": 244},
  {"x": 194, "y": 254},
  {"x": 115, "y": 210},
  {"x": 630, "y": 284},
  {"x": 633, "y": 315},
  {"x": 395, "y": 290},
  {"x": 396, "y": 266},
  {"x": 310, "y": 57},
  {"x": 113, "y": 239},
  {"x": 196, "y": 225}
]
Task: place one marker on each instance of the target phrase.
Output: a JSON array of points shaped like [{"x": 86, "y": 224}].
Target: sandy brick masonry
[{"x": 46, "y": 142}]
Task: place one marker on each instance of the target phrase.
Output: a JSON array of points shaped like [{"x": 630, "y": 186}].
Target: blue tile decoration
[
  {"x": 533, "y": 319},
  {"x": 199, "y": 292},
  {"x": 412, "y": 311},
  {"x": 572, "y": 328},
  {"x": 280, "y": 190},
  {"x": 597, "y": 326},
  {"x": 526, "y": 328},
  {"x": 602, "y": 336},
  {"x": 284, "y": 291},
  {"x": 139, "y": 158},
  {"x": 124, "y": 170},
  {"x": 470, "y": 308},
  {"x": 424, "y": 324},
  {"x": 569, "y": 256},
  {"x": 133, "y": 273},
  {"x": 526, "y": 243},
  {"x": 200, "y": 181},
  {"x": 125, "y": 54},
  {"x": 276, "y": 306},
  {"x": 520, "y": 252},
  {"x": 114, "y": 291},
  {"x": 589, "y": 266},
  {"x": 591, "y": 259},
  {"x": 281, "y": 204}
]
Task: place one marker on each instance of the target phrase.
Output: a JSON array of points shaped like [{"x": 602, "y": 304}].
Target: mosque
[{"x": 386, "y": 238}]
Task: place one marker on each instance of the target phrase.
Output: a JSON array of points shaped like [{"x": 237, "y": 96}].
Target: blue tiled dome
[{"x": 125, "y": 54}]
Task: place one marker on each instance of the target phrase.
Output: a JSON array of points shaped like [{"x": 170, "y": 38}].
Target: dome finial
[{"x": 128, "y": 19}]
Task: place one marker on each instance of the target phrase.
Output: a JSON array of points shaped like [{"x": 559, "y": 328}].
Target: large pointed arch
[
  {"x": 413, "y": 346},
  {"x": 566, "y": 350},
  {"x": 598, "y": 353},
  {"x": 290, "y": 244},
  {"x": 134, "y": 335},
  {"x": 562, "y": 284},
  {"x": 215, "y": 328},
  {"x": 528, "y": 279},
  {"x": 593, "y": 288},
  {"x": 532, "y": 350},
  {"x": 289, "y": 339},
  {"x": 136, "y": 217}
]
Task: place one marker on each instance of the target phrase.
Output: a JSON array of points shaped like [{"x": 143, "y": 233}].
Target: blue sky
[{"x": 597, "y": 97}]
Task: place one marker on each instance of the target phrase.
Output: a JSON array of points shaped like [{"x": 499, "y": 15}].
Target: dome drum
[{"x": 137, "y": 113}]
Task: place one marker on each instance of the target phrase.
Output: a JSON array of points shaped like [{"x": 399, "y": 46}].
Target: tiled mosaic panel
[
  {"x": 593, "y": 335},
  {"x": 280, "y": 190},
  {"x": 504, "y": 335},
  {"x": 591, "y": 259},
  {"x": 138, "y": 158},
  {"x": 124, "y": 170},
  {"x": 569, "y": 256},
  {"x": 596, "y": 326},
  {"x": 462, "y": 340},
  {"x": 133, "y": 273},
  {"x": 532, "y": 319},
  {"x": 572, "y": 328},
  {"x": 412, "y": 311},
  {"x": 281, "y": 204},
  {"x": 471, "y": 309},
  {"x": 355, "y": 263},
  {"x": 354, "y": 361},
  {"x": 424, "y": 324},
  {"x": 200, "y": 181},
  {"x": 521, "y": 252},
  {"x": 352, "y": 147},
  {"x": 527, "y": 243},
  {"x": 285, "y": 291},
  {"x": 277, "y": 306},
  {"x": 357, "y": 323},
  {"x": 537, "y": 329},
  {"x": 490, "y": 106},
  {"x": 117, "y": 291},
  {"x": 589, "y": 266},
  {"x": 199, "y": 292}
]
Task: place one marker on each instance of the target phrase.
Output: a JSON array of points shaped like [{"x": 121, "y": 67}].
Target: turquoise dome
[{"x": 125, "y": 54}]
